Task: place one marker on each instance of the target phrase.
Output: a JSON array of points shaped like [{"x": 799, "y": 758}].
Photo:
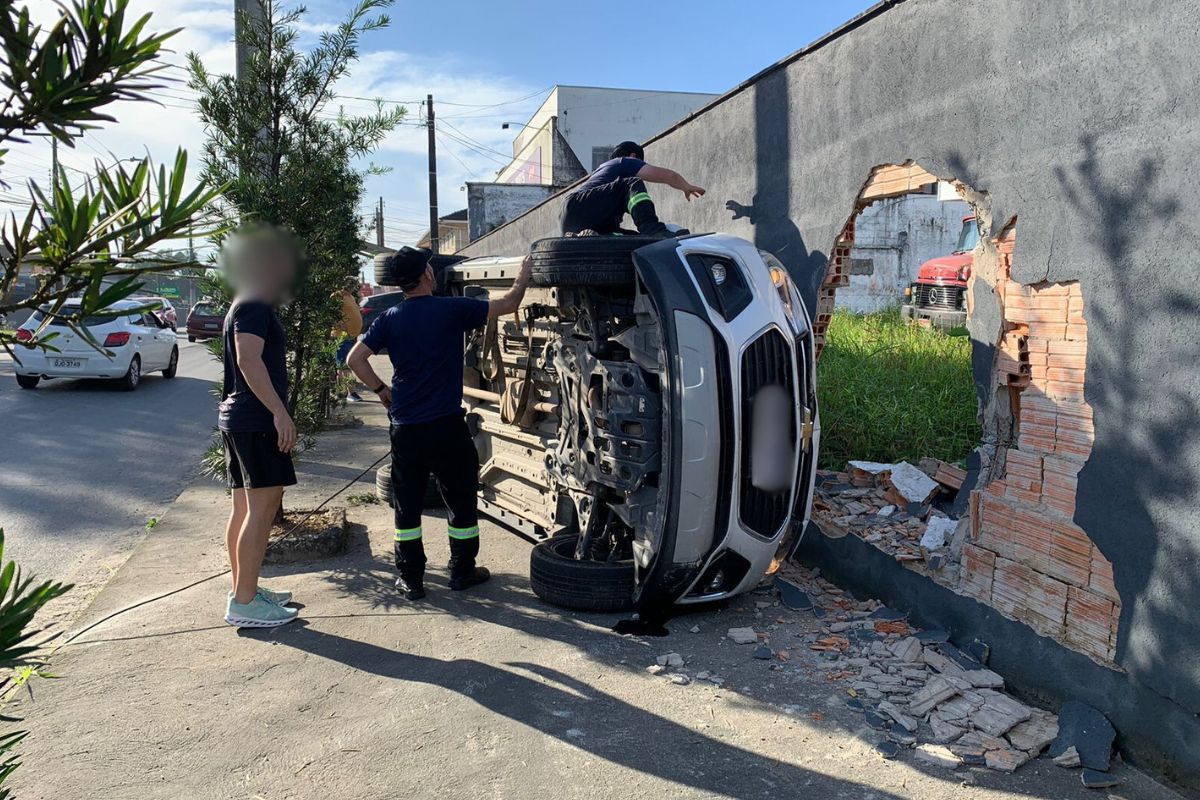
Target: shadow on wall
[
  {"x": 769, "y": 210},
  {"x": 1136, "y": 491}
]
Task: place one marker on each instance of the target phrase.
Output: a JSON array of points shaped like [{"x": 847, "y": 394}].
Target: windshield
[
  {"x": 207, "y": 310},
  {"x": 968, "y": 237}
]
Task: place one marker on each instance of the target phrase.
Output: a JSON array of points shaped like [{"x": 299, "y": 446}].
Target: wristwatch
[{"x": 381, "y": 387}]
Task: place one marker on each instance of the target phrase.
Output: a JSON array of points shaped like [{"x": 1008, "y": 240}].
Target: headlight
[{"x": 782, "y": 284}]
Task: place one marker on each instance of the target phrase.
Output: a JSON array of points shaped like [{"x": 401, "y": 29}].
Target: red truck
[{"x": 939, "y": 292}]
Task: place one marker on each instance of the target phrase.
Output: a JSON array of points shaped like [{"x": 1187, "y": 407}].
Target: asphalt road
[{"x": 84, "y": 466}]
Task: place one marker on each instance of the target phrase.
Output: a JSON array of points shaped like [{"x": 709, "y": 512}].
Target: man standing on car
[
  {"x": 424, "y": 337},
  {"x": 619, "y": 185},
  {"x": 255, "y": 426}
]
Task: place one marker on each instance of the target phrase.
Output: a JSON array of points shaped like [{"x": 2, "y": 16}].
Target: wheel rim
[
  {"x": 135, "y": 372},
  {"x": 174, "y": 359}
]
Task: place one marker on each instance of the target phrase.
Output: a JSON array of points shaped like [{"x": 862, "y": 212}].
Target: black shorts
[{"x": 253, "y": 460}]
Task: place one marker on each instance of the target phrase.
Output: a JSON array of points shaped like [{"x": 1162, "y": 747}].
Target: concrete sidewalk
[{"x": 488, "y": 693}]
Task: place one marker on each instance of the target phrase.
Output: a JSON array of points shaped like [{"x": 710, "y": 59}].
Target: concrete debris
[
  {"x": 999, "y": 713},
  {"x": 792, "y": 596},
  {"x": 694, "y": 629},
  {"x": 680, "y": 680},
  {"x": 1068, "y": 759},
  {"x": 899, "y": 717},
  {"x": 656, "y": 669},
  {"x": 913, "y": 687},
  {"x": 937, "y": 532},
  {"x": 912, "y": 484},
  {"x": 1006, "y": 759},
  {"x": 703, "y": 675},
  {"x": 671, "y": 660},
  {"x": 931, "y": 695},
  {"x": 907, "y": 649},
  {"x": 937, "y": 756},
  {"x": 888, "y": 749},
  {"x": 742, "y": 635},
  {"x": 1088, "y": 731},
  {"x": 945, "y": 732},
  {"x": 1035, "y": 733},
  {"x": 763, "y": 652}
]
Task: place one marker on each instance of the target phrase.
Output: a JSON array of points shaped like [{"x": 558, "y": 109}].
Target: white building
[{"x": 572, "y": 132}]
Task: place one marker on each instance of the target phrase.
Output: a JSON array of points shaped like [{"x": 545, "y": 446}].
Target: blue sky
[{"x": 470, "y": 54}]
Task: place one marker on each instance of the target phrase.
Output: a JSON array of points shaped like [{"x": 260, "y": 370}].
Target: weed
[
  {"x": 364, "y": 499},
  {"x": 891, "y": 390}
]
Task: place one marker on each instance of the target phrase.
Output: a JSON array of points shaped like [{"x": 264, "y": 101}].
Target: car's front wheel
[
  {"x": 562, "y": 580},
  {"x": 28, "y": 381},
  {"x": 173, "y": 365},
  {"x": 586, "y": 260},
  {"x": 133, "y": 375}
]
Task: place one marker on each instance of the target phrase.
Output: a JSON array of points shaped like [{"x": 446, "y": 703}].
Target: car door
[
  {"x": 148, "y": 345},
  {"x": 165, "y": 336}
]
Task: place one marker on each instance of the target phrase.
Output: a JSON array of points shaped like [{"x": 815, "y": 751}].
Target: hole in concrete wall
[
  {"x": 1009, "y": 540},
  {"x": 895, "y": 374}
]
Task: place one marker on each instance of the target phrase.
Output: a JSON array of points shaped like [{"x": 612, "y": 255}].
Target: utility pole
[
  {"x": 245, "y": 12},
  {"x": 379, "y": 223},
  {"x": 433, "y": 209},
  {"x": 53, "y": 163}
]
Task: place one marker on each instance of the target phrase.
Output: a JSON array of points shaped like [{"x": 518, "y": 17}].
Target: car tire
[
  {"x": 173, "y": 364},
  {"x": 133, "y": 375},
  {"x": 28, "y": 381},
  {"x": 383, "y": 489},
  {"x": 559, "y": 579},
  {"x": 586, "y": 260},
  {"x": 191, "y": 338}
]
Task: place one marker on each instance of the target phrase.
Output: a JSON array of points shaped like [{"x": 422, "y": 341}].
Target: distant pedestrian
[
  {"x": 255, "y": 426},
  {"x": 346, "y": 333},
  {"x": 424, "y": 340},
  {"x": 618, "y": 186}
]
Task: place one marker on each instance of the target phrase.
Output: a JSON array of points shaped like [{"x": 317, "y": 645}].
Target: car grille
[
  {"x": 949, "y": 298},
  {"x": 766, "y": 361}
]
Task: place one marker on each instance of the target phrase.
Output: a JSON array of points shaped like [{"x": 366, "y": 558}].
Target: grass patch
[{"x": 890, "y": 390}]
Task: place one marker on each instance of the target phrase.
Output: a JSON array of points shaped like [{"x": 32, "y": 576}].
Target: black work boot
[
  {"x": 410, "y": 561},
  {"x": 411, "y": 588},
  {"x": 463, "y": 572}
]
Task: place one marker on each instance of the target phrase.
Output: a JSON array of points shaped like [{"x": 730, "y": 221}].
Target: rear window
[
  {"x": 88, "y": 322},
  {"x": 207, "y": 310}
]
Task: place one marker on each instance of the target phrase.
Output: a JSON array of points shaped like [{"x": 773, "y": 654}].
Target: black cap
[
  {"x": 408, "y": 264},
  {"x": 629, "y": 149}
]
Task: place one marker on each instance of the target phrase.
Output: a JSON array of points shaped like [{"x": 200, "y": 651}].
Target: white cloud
[{"x": 461, "y": 94}]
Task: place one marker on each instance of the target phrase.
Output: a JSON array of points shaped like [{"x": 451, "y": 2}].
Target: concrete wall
[
  {"x": 892, "y": 239},
  {"x": 1079, "y": 117},
  {"x": 490, "y": 205}
]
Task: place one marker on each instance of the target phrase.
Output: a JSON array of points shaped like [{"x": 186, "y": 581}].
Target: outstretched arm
[
  {"x": 511, "y": 301},
  {"x": 671, "y": 178}
]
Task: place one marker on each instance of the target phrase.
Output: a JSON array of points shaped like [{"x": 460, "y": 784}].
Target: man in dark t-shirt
[
  {"x": 424, "y": 337},
  {"x": 616, "y": 186},
  {"x": 256, "y": 429}
]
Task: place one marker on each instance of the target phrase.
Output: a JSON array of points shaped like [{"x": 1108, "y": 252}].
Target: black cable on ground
[{"x": 216, "y": 575}]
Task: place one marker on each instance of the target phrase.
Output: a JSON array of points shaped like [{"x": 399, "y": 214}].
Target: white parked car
[{"x": 132, "y": 343}]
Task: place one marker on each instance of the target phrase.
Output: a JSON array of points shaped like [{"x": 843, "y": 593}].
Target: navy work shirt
[
  {"x": 424, "y": 339},
  {"x": 240, "y": 409},
  {"x": 612, "y": 170}
]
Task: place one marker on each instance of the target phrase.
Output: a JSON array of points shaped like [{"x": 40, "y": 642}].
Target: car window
[
  {"x": 207, "y": 310},
  {"x": 90, "y": 321}
]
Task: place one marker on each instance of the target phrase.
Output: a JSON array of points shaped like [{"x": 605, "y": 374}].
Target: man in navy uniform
[
  {"x": 424, "y": 337},
  {"x": 618, "y": 186}
]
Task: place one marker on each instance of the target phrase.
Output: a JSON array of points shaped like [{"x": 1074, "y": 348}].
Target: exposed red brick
[
  {"x": 1089, "y": 623},
  {"x": 1101, "y": 579},
  {"x": 978, "y": 566},
  {"x": 1070, "y": 554}
]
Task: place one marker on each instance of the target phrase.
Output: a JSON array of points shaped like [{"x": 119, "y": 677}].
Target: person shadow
[{"x": 618, "y": 731}]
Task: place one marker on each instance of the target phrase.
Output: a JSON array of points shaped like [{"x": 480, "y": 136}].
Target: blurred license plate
[
  {"x": 210, "y": 326},
  {"x": 66, "y": 363}
]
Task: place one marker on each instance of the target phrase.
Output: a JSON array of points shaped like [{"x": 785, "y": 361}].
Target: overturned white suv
[{"x": 650, "y": 415}]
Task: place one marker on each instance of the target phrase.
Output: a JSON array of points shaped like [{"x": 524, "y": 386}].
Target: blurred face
[{"x": 261, "y": 264}]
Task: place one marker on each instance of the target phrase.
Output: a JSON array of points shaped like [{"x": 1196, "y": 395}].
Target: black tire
[
  {"x": 561, "y": 580},
  {"x": 191, "y": 338},
  {"x": 383, "y": 489},
  {"x": 133, "y": 375},
  {"x": 173, "y": 365},
  {"x": 586, "y": 260},
  {"x": 28, "y": 381}
]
